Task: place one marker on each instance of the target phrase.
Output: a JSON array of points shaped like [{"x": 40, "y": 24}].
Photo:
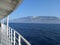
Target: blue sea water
[{"x": 39, "y": 34}]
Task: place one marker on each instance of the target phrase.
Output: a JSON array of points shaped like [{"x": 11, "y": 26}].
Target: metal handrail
[{"x": 15, "y": 38}]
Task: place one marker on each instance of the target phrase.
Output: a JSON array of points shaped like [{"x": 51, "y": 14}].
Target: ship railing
[{"x": 15, "y": 37}]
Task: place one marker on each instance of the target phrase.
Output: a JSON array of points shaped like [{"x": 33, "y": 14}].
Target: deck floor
[{"x": 4, "y": 40}]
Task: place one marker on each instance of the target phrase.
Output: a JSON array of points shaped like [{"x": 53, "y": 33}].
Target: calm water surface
[{"x": 39, "y": 34}]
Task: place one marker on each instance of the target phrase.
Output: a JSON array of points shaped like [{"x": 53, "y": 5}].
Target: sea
[{"x": 39, "y": 34}]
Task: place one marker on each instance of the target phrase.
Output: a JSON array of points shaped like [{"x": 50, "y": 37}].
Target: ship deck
[{"x": 4, "y": 40}]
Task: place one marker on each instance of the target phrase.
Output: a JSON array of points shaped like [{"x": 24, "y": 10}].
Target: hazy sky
[{"x": 37, "y": 8}]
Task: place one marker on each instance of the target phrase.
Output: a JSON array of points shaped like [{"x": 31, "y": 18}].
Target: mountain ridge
[{"x": 37, "y": 19}]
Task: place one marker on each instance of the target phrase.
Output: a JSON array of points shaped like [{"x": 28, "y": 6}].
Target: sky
[{"x": 36, "y": 8}]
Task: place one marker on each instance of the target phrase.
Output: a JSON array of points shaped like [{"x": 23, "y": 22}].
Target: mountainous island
[{"x": 37, "y": 19}]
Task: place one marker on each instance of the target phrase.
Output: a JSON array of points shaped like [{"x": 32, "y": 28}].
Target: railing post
[
  {"x": 11, "y": 35},
  {"x": 7, "y": 23},
  {"x": 14, "y": 37},
  {"x": 19, "y": 40}
]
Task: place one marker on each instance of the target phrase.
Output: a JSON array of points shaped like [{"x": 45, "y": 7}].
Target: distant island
[{"x": 37, "y": 19}]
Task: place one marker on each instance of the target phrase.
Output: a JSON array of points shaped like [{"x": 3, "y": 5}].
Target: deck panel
[{"x": 4, "y": 40}]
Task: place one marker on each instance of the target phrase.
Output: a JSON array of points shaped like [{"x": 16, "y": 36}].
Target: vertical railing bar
[
  {"x": 7, "y": 21},
  {"x": 14, "y": 37},
  {"x": 19, "y": 40}
]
